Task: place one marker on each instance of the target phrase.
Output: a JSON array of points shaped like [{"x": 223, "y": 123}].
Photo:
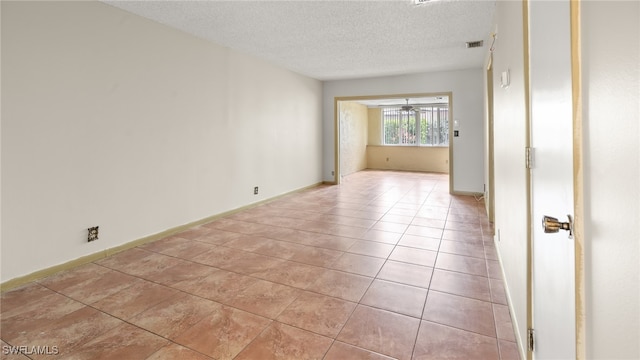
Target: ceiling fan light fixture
[{"x": 407, "y": 107}]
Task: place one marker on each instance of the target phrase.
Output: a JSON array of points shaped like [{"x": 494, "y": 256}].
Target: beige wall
[
  {"x": 113, "y": 120},
  {"x": 353, "y": 137},
  {"x": 410, "y": 158},
  {"x": 375, "y": 126}
]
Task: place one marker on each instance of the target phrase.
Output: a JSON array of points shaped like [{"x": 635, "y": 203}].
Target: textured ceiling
[{"x": 330, "y": 40}]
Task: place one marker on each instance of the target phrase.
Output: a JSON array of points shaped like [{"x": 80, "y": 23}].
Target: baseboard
[
  {"x": 22, "y": 280},
  {"x": 467, "y": 193},
  {"x": 19, "y": 281},
  {"x": 514, "y": 320},
  {"x": 407, "y": 170}
]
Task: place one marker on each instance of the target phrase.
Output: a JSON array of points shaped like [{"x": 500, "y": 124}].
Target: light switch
[{"x": 505, "y": 79}]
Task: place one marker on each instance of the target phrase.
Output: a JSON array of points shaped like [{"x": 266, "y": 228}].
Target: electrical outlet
[
  {"x": 333, "y": 173},
  {"x": 93, "y": 234},
  {"x": 255, "y": 190}
]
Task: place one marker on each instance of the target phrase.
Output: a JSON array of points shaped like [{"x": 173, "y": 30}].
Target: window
[{"x": 426, "y": 126}]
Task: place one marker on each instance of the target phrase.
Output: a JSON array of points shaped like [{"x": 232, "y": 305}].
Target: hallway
[{"x": 385, "y": 265}]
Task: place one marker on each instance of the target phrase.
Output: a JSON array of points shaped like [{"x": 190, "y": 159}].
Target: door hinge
[
  {"x": 529, "y": 157},
  {"x": 530, "y": 340}
]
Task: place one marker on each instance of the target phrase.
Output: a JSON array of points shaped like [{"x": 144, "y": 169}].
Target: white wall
[
  {"x": 509, "y": 167},
  {"x": 467, "y": 89},
  {"x": 611, "y": 89},
  {"x": 109, "y": 119}
]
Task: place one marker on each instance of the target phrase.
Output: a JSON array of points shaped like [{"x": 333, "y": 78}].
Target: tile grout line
[
  {"x": 426, "y": 299},
  {"x": 318, "y": 194}
]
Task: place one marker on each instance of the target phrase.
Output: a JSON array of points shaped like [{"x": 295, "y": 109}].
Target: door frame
[
  {"x": 490, "y": 199},
  {"x": 527, "y": 126},
  {"x": 336, "y": 126},
  {"x": 578, "y": 178}
]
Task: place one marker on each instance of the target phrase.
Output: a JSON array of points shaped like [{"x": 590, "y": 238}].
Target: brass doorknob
[{"x": 552, "y": 225}]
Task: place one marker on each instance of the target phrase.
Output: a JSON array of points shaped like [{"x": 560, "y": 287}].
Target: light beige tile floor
[{"x": 386, "y": 265}]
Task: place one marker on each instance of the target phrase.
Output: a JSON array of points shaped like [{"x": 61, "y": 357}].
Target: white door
[{"x": 553, "y": 302}]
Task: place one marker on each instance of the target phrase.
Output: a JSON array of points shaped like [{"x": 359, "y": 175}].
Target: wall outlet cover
[{"x": 92, "y": 233}]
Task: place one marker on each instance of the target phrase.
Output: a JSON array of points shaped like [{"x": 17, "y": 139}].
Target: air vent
[{"x": 474, "y": 44}]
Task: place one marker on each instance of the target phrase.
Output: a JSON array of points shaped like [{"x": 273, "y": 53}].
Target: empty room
[{"x": 407, "y": 179}]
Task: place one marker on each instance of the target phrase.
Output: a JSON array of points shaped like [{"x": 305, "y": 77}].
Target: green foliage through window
[{"x": 426, "y": 126}]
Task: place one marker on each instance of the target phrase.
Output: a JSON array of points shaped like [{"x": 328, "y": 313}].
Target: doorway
[{"x": 351, "y": 146}]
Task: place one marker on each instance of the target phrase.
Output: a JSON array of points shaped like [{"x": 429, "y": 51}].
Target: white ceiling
[{"x": 330, "y": 40}]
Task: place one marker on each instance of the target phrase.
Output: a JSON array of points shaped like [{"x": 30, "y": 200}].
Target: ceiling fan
[{"x": 408, "y": 107}]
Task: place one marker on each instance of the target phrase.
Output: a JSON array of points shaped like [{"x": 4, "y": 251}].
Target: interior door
[{"x": 551, "y": 121}]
